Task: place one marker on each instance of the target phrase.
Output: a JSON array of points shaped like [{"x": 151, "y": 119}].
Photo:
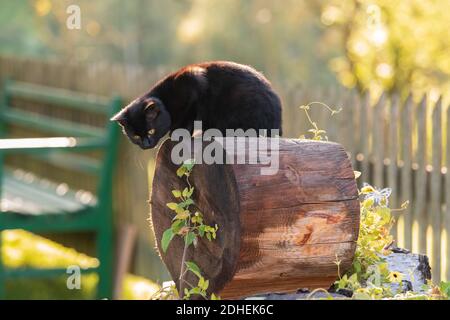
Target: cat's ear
[
  {"x": 150, "y": 105},
  {"x": 151, "y": 109},
  {"x": 120, "y": 118}
]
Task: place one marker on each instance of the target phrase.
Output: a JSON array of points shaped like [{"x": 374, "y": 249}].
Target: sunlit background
[
  {"x": 385, "y": 44},
  {"x": 310, "y": 50}
]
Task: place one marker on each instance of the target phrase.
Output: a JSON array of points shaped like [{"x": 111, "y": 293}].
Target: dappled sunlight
[
  {"x": 21, "y": 249},
  {"x": 24, "y": 249},
  {"x": 38, "y": 143},
  {"x": 190, "y": 29}
]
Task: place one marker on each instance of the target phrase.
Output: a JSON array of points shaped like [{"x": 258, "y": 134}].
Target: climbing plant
[{"x": 189, "y": 224}]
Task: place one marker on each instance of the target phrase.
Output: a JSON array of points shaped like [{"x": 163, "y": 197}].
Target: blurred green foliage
[
  {"x": 21, "y": 249},
  {"x": 395, "y": 45},
  {"x": 386, "y": 44},
  {"x": 381, "y": 44},
  {"x": 277, "y": 37}
]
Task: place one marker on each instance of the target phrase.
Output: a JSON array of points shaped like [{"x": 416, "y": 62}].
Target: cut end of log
[{"x": 277, "y": 233}]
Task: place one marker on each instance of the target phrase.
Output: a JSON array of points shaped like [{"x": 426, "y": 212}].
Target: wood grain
[{"x": 276, "y": 233}]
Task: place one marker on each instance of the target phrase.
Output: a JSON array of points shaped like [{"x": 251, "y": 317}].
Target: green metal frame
[{"x": 96, "y": 218}]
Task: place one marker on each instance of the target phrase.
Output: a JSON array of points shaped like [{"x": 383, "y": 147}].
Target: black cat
[{"x": 223, "y": 95}]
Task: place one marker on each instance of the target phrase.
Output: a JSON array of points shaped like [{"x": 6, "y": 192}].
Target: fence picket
[
  {"x": 406, "y": 185},
  {"x": 378, "y": 139},
  {"x": 435, "y": 207},
  {"x": 446, "y": 222},
  {"x": 420, "y": 177},
  {"x": 363, "y": 154},
  {"x": 393, "y": 157}
]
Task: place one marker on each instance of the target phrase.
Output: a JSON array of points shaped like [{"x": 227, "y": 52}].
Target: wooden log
[
  {"x": 276, "y": 232},
  {"x": 414, "y": 267}
]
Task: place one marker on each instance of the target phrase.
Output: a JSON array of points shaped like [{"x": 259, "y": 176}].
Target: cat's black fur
[{"x": 223, "y": 95}]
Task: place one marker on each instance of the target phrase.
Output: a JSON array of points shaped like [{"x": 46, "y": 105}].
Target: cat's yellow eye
[
  {"x": 151, "y": 132},
  {"x": 136, "y": 137}
]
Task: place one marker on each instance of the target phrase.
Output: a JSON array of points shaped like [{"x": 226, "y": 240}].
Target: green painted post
[
  {"x": 105, "y": 238},
  {"x": 2, "y": 274},
  {"x": 100, "y": 219},
  {"x": 3, "y": 104}
]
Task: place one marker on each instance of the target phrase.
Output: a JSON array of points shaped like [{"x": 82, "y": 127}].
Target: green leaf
[
  {"x": 195, "y": 290},
  {"x": 176, "y": 193},
  {"x": 214, "y": 297},
  {"x": 189, "y": 164},
  {"x": 172, "y": 205},
  {"x": 193, "y": 268},
  {"x": 197, "y": 219},
  {"x": 201, "y": 283},
  {"x": 201, "y": 230},
  {"x": 187, "y": 203},
  {"x": 177, "y": 225},
  {"x": 183, "y": 215},
  {"x": 166, "y": 238},
  {"x": 444, "y": 287},
  {"x": 189, "y": 238},
  {"x": 206, "y": 285},
  {"x": 181, "y": 171},
  {"x": 179, "y": 209}
]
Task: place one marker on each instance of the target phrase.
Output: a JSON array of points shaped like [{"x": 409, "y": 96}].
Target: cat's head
[{"x": 145, "y": 121}]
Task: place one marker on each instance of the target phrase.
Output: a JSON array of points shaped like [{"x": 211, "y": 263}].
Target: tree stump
[{"x": 277, "y": 233}]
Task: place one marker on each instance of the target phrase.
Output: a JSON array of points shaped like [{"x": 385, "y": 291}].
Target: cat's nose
[{"x": 147, "y": 143}]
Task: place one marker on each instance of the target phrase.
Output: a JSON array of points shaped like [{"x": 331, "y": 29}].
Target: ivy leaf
[
  {"x": 181, "y": 171},
  {"x": 166, "y": 238},
  {"x": 176, "y": 193},
  {"x": 444, "y": 287},
  {"x": 195, "y": 290},
  {"x": 193, "y": 268},
  {"x": 189, "y": 238},
  {"x": 201, "y": 230},
  {"x": 197, "y": 219},
  {"x": 206, "y": 285},
  {"x": 182, "y": 215},
  {"x": 187, "y": 203},
  {"x": 201, "y": 282},
  {"x": 172, "y": 205},
  {"x": 189, "y": 164},
  {"x": 177, "y": 225},
  {"x": 214, "y": 297},
  {"x": 180, "y": 209}
]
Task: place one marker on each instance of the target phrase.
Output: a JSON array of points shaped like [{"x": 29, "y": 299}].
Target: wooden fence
[
  {"x": 400, "y": 144},
  {"x": 396, "y": 142}
]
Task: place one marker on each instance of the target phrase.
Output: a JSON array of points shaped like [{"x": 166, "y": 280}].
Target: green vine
[
  {"x": 369, "y": 276},
  {"x": 188, "y": 223},
  {"x": 318, "y": 134}
]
